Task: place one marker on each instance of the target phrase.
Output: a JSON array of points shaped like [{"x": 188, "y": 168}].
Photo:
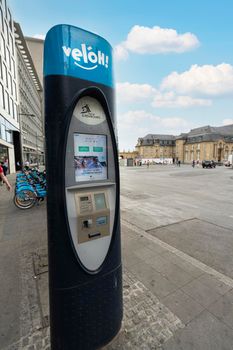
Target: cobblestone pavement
[
  {"x": 32, "y": 334},
  {"x": 146, "y": 325}
]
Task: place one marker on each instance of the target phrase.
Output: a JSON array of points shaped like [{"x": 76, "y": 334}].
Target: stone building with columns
[{"x": 203, "y": 143}]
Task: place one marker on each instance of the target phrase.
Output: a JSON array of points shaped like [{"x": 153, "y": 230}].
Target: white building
[
  {"x": 30, "y": 103},
  {"x": 9, "y": 123}
]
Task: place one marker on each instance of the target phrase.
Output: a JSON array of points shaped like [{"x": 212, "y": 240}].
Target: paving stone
[
  {"x": 160, "y": 286},
  {"x": 202, "y": 333},
  {"x": 187, "y": 267},
  {"x": 213, "y": 283},
  {"x": 25, "y": 342},
  {"x": 176, "y": 275},
  {"x": 205, "y": 241},
  {"x": 223, "y": 309},
  {"x": 154, "y": 281},
  {"x": 131, "y": 260},
  {"x": 201, "y": 293},
  {"x": 144, "y": 253},
  {"x": 183, "y": 306},
  {"x": 150, "y": 323},
  {"x": 157, "y": 262},
  {"x": 39, "y": 345}
]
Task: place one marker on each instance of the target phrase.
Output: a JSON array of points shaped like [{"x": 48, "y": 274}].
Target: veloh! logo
[{"x": 85, "y": 57}]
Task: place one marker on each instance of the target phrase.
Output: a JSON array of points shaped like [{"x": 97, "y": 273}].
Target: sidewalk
[{"x": 171, "y": 301}]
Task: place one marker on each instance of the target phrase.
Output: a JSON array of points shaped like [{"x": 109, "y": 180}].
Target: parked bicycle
[{"x": 30, "y": 188}]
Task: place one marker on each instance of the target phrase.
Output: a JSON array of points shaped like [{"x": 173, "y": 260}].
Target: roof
[
  {"x": 158, "y": 137},
  {"x": 222, "y": 130},
  {"x": 203, "y": 133}
]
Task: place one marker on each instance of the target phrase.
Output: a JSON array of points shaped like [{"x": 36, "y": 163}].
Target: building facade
[
  {"x": 36, "y": 48},
  {"x": 156, "y": 146},
  {"x": 9, "y": 120},
  {"x": 204, "y": 143},
  {"x": 30, "y": 103}
]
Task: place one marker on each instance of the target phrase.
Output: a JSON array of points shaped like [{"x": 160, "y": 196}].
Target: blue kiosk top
[{"x": 75, "y": 52}]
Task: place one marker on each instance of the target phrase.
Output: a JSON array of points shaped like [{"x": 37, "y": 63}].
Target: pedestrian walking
[
  {"x": 26, "y": 165},
  {"x": 4, "y": 179},
  {"x": 4, "y": 168},
  {"x": 193, "y": 163}
]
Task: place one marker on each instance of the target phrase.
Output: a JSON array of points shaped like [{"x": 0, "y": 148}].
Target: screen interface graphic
[{"x": 90, "y": 157}]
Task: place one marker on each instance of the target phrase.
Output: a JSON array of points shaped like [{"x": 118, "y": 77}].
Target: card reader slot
[{"x": 93, "y": 235}]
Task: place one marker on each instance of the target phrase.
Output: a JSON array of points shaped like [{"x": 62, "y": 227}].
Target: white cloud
[
  {"x": 135, "y": 117},
  {"x": 127, "y": 92},
  {"x": 174, "y": 123},
  {"x": 39, "y": 36},
  {"x": 206, "y": 80},
  {"x": 138, "y": 123},
  {"x": 227, "y": 121},
  {"x": 146, "y": 40},
  {"x": 135, "y": 93},
  {"x": 171, "y": 100},
  {"x": 120, "y": 53}
]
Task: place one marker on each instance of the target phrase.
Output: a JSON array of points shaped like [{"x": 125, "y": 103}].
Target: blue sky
[{"x": 173, "y": 58}]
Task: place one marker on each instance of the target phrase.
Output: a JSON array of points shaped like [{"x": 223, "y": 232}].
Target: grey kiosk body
[{"x": 85, "y": 273}]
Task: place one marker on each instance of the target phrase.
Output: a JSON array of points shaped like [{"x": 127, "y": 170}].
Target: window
[
  {"x": 12, "y": 108},
  {"x": 8, "y": 58},
  {"x": 3, "y": 132},
  {"x": 9, "y": 19},
  {"x": 1, "y": 20},
  {"x": 5, "y": 7},
  {"x": 15, "y": 112},
  {"x": 12, "y": 45},
  {"x": 12, "y": 64},
  {"x": 2, "y": 100},
  {"x": 7, "y": 32},
  {"x": 7, "y": 102},
  {"x": 1, "y": 76},
  {"x": 15, "y": 91},
  {"x": 10, "y": 83},
  {"x": 14, "y": 70},
  {"x": 3, "y": 48},
  {"x": 5, "y": 77}
]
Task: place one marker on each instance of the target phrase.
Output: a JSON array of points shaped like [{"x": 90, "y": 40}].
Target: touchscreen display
[
  {"x": 90, "y": 157},
  {"x": 100, "y": 201}
]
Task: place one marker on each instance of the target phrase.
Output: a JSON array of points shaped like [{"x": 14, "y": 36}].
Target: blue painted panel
[{"x": 78, "y": 53}]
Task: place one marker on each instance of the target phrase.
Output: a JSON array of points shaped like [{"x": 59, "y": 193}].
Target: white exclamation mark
[{"x": 106, "y": 64}]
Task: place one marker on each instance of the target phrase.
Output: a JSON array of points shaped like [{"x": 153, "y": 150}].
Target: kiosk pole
[{"x": 85, "y": 273}]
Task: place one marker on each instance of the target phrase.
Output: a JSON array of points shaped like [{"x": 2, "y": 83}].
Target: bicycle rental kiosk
[{"x": 85, "y": 274}]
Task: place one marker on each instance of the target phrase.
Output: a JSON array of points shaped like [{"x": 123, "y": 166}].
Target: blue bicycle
[{"x": 30, "y": 188}]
